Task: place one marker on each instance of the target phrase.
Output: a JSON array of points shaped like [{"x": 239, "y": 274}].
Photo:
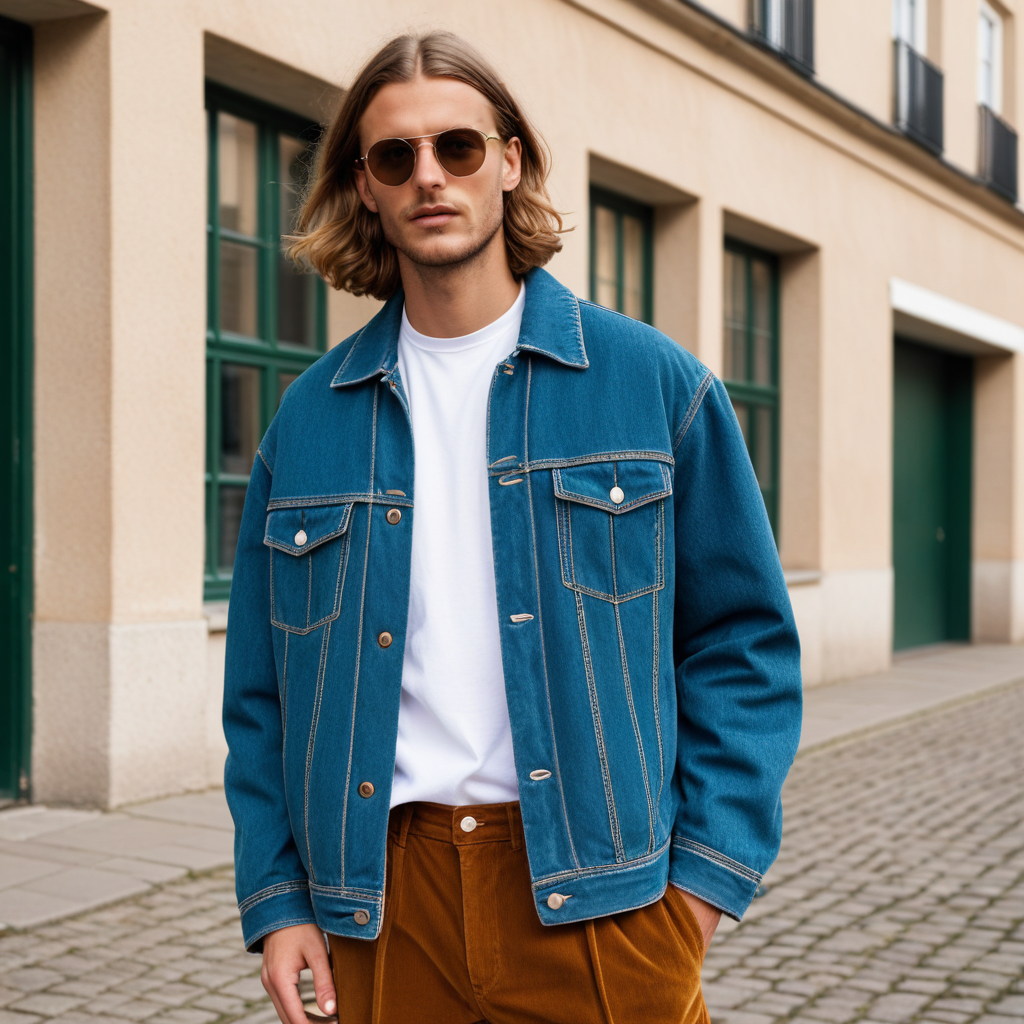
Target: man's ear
[
  {"x": 363, "y": 188},
  {"x": 512, "y": 167}
]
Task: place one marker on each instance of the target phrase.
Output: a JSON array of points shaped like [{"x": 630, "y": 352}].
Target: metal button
[
  {"x": 468, "y": 823},
  {"x": 366, "y": 789},
  {"x": 556, "y": 901},
  {"x": 540, "y": 774},
  {"x": 394, "y": 516},
  {"x": 361, "y": 917},
  {"x": 300, "y": 538},
  {"x": 616, "y": 494},
  {"x": 385, "y": 639}
]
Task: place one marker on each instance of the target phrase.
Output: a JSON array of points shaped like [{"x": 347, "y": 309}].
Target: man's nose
[{"x": 428, "y": 172}]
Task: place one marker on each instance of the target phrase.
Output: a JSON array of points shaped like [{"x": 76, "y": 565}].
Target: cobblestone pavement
[
  {"x": 898, "y": 897},
  {"x": 172, "y": 955}
]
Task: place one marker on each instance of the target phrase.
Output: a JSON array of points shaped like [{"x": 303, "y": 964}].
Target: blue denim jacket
[{"x": 651, "y": 661}]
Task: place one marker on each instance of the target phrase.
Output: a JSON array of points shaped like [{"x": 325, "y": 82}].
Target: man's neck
[{"x": 459, "y": 299}]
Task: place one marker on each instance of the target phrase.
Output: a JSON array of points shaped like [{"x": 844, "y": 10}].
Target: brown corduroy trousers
[{"x": 461, "y": 941}]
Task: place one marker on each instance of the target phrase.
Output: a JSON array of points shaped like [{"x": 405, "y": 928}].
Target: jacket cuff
[
  {"x": 715, "y": 878},
  {"x": 277, "y": 906}
]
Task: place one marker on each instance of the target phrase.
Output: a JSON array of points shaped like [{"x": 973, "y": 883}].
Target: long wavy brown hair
[{"x": 343, "y": 241}]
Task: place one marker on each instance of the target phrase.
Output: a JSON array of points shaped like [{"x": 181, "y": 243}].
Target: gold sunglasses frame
[{"x": 416, "y": 151}]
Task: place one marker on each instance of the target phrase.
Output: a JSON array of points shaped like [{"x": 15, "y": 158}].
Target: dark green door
[
  {"x": 931, "y": 534},
  {"x": 15, "y": 408}
]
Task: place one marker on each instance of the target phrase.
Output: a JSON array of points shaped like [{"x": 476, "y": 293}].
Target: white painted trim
[{"x": 952, "y": 315}]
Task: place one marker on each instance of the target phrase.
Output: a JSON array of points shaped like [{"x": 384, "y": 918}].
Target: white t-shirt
[{"x": 454, "y": 738}]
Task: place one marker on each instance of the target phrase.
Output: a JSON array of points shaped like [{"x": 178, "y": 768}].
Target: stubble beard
[{"x": 462, "y": 256}]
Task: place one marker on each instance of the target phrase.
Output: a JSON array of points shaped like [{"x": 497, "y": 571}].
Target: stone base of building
[
  {"x": 845, "y": 623},
  {"x": 121, "y": 712}
]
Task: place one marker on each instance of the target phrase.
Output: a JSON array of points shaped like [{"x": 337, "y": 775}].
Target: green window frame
[
  {"x": 750, "y": 359},
  {"x": 621, "y": 254},
  {"x": 266, "y": 322}
]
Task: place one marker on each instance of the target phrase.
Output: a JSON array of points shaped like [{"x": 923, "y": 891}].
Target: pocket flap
[
  {"x": 640, "y": 480},
  {"x": 319, "y": 523}
]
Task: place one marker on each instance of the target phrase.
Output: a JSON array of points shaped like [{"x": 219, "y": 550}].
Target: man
[{"x": 508, "y": 717}]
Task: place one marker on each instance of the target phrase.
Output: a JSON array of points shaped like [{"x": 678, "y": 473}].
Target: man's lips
[{"x": 433, "y": 216}]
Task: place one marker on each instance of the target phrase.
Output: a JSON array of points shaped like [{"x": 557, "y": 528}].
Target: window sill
[
  {"x": 216, "y": 613},
  {"x": 802, "y": 577}
]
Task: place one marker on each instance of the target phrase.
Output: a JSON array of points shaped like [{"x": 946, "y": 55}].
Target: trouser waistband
[{"x": 463, "y": 825}]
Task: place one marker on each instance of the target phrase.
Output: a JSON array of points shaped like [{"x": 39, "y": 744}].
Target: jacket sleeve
[
  {"x": 737, "y": 664},
  {"x": 271, "y": 883}
]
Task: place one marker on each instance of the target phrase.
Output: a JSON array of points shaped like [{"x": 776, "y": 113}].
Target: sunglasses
[{"x": 460, "y": 151}]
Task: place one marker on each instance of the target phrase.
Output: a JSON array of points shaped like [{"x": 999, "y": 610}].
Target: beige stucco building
[{"x": 786, "y": 190}]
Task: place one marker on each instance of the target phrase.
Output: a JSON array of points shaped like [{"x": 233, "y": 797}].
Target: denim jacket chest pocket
[
  {"x": 611, "y": 527},
  {"x": 308, "y": 550}
]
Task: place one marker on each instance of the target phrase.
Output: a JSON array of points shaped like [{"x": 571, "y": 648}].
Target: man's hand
[
  {"x": 707, "y": 915},
  {"x": 286, "y": 952}
]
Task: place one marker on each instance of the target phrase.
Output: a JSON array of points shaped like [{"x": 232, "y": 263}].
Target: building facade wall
[{"x": 646, "y": 97}]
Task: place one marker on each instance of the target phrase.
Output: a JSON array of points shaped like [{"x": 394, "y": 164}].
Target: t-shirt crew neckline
[{"x": 466, "y": 341}]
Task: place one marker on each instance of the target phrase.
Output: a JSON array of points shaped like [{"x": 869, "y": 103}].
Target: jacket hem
[{"x": 599, "y": 893}]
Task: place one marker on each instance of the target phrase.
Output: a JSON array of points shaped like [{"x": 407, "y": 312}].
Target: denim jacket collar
[{"x": 551, "y": 326}]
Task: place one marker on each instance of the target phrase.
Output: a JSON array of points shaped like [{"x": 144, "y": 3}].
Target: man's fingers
[
  {"x": 288, "y": 1003},
  {"x": 285, "y": 953},
  {"x": 273, "y": 998},
  {"x": 323, "y": 983}
]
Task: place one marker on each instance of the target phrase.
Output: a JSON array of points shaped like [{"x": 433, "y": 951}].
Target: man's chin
[{"x": 442, "y": 253}]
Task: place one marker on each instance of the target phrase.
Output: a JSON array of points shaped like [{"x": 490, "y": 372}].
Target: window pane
[
  {"x": 761, "y": 279},
  {"x": 606, "y": 274},
  {"x": 283, "y": 380},
  {"x": 238, "y": 265},
  {"x": 293, "y": 174},
  {"x": 239, "y": 417},
  {"x": 763, "y": 468},
  {"x": 231, "y": 501},
  {"x": 236, "y": 178},
  {"x": 296, "y": 305},
  {"x": 775, "y": 26},
  {"x": 633, "y": 267},
  {"x": 742, "y": 411},
  {"x": 986, "y": 61},
  {"x": 735, "y": 301},
  {"x": 296, "y": 291},
  {"x": 909, "y": 23}
]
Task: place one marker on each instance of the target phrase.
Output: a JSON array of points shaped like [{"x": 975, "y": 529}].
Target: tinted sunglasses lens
[
  {"x": 460, "y": 152},
  {"x": 391, "y": 161}
]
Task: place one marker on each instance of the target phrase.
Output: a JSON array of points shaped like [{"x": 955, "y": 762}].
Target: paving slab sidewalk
[
  {"x": 919, "y": 682},
  {"x": 58, "y": 862}
]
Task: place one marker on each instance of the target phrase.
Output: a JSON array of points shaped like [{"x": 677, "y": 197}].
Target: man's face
[{"x": 436, "y": 219}]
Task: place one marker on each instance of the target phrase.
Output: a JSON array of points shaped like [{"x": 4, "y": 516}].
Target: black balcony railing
[
  {"x": 997, "y": 160},
  {"x": 918, "y": 100},
  {"x": 787, "y": 26}
]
